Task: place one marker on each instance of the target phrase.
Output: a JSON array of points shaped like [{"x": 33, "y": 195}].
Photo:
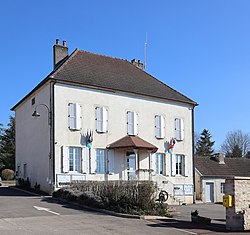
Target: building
[
  {"x": 133, "y": 119},
  {"x": 211, "y": 173}
]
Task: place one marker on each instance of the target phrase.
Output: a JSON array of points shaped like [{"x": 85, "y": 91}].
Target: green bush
[
  {"x": 8, "y": 174},
  {"x": 133, "y": 197}
]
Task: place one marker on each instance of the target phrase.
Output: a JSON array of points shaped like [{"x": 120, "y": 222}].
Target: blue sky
[{"x": 200, "y": 48}]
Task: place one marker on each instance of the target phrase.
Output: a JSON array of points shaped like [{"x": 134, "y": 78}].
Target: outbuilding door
[{"x": 209, "y": 192}]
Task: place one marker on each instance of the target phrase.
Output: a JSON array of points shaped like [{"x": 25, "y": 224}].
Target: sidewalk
[{"x": 214, "y": 211}]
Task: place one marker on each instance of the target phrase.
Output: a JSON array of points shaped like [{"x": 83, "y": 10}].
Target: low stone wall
[{"x": 238, "y": 216}]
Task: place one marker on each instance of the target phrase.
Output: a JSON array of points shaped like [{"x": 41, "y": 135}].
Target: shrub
[
  {"x": 133, "y": 197},
  {"x": 8, "y": 174},
  {"x": 24, "y": 183}
]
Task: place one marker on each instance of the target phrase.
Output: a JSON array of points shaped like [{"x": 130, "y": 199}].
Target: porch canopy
[{"x": 132, "y": 142}]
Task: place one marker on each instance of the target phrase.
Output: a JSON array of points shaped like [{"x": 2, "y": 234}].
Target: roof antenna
[{"x": 145, "y": 50}]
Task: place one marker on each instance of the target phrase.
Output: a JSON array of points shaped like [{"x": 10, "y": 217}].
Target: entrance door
[
  {"x": 209, "y": 192},
  {"x": 131, "y": 166}
]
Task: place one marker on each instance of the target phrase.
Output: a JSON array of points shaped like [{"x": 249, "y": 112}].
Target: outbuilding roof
[{"x": 209, "y": 166}]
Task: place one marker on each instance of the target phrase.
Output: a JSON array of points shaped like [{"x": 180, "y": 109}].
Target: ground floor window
[
  {"x": 100, "y": 161},
  {"x": 180, "y": 161},
  {"x": 159, "y": 163},
  {"x": 74, "y": 159}
]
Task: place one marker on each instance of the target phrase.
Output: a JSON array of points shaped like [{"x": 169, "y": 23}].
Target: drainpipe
[
  {"x": 52, "y": 135},
  {"x": 194, "y": 194}
]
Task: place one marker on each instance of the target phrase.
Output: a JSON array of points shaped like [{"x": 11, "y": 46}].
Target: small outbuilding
[{"x": 211, "y": 172}]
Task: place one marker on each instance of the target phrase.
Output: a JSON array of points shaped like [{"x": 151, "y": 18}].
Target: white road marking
[
  {"x": 185, "y": 231},
  {"x": 45, "y": 209}
]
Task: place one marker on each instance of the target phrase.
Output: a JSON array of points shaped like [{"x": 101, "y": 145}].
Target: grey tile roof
[
  {"x": 106, "y": 72},
  {"x": 233, "y": 166}
]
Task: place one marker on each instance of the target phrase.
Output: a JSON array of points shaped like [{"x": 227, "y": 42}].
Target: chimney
[
  {"x": 138, "y": 64},
  {"x": 59, "y": 52},
  {"x": 220, "y": 157}
]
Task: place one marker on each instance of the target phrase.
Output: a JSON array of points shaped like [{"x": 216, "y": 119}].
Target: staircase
[{"x": 163, "y": 183}]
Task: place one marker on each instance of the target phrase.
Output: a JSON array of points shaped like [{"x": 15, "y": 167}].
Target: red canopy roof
[{"x": 132, "y": 142}]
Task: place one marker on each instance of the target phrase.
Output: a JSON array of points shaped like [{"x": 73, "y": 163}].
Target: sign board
[{"x": 183, "y": 190}]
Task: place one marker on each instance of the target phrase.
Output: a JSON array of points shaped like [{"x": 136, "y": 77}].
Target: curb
[{"x": 99, "y": 210}]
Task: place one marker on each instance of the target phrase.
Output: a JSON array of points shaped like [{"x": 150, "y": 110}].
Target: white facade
[
  {"x": 33, "y": 140},
  {"x": 154, "y": 121}
]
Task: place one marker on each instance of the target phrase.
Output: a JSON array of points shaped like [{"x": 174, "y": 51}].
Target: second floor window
[
  {"x": 74, "y": 116},
  {"x": 159, "y": 127},
  {"x": 179, "y": 129},
  {"x": 132, "y": 123},
  {"x": 101, "y": 120}
]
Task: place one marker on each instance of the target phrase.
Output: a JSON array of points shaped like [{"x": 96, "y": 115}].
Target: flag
[
  {"x": 171, "y": 146},
  {"x": 89, "y": 139}
]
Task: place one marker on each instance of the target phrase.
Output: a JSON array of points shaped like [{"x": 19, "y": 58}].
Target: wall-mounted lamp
[{"x": 36, "y": 114}]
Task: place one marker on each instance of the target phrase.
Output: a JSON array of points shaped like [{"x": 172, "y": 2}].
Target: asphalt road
[{"x": 24, "y": 214}]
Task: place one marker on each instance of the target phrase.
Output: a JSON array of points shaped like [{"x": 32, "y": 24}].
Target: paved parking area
[{"x": 182, "y": 219}]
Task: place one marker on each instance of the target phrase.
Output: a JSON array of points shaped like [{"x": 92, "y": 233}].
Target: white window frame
[
  {"x": 159, "y": 127},
  {"x": 74, "y": 157},
  {"x": 160, "y": 164},
  {"x": 180, "y": 164},
  {"x": 179, "y": 129},
  {"x": 100, "y": 161},
  {"x": 132, "y": 123},
  {"x": 222, "y": 188},
  {"x": 74, "y": 116},
  {"x": 101, "y": 120}
]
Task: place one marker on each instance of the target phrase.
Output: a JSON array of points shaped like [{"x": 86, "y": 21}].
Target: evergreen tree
[
  {"x": 7, "y": 146},
  {"x": 237, "y": 151},
  {"x": 204, "y": 145}
]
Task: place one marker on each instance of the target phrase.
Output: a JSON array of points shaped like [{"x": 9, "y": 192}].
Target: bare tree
[{"x": 236, "y": 140}]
